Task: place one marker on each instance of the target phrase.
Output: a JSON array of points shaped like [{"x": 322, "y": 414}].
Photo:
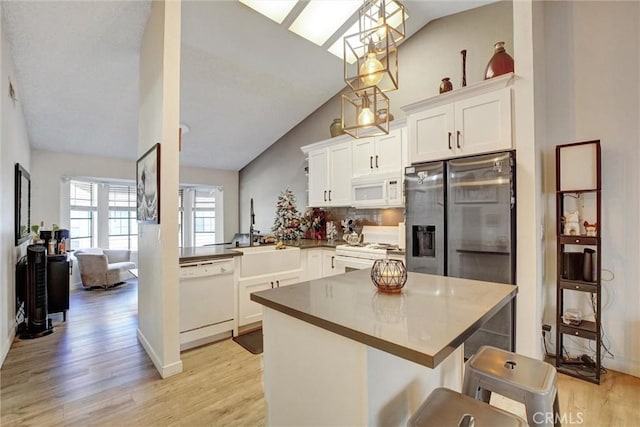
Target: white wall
[
  {"x": 158, "y": 296},
  {"x": 593, "y": 92},
  {"x": 14, "y": 143},
  {"x": 50, "y": 194},
  {"x": 430, "y": 54}
]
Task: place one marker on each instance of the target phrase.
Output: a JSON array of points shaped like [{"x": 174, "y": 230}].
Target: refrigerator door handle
[
  {"x": 449, "y": 140},
  {"x": 458, "y": 139}
]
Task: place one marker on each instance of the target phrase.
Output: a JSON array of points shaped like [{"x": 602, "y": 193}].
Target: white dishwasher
[{"x": 206, "y": 301}]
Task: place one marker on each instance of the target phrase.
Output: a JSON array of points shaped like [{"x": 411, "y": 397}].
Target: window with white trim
[
  {"x": 123, "y": 224},
  {"x": 83, "y": 214},
  {"x": 204, "y": 217}
]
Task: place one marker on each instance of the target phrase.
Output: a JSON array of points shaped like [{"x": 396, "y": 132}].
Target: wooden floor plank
[{"x": 92, "y": 371}]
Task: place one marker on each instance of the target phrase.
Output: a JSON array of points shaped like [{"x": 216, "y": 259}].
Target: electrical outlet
[{"x": 546, "y": 328}]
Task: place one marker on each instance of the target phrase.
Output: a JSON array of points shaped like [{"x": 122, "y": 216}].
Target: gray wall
[
  {"x": 593, "y": 92},
  {"x": 429, "y": 55}
]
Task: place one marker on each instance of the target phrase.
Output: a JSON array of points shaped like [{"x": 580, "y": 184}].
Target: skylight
[
  {"x": 320, "y": 19},
  {"x": 275, "y": 10}
]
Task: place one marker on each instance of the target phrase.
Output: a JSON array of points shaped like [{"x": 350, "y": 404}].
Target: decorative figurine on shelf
[
  {"x": 571, "y": 225},
  {"x": 592, "y": 229}
]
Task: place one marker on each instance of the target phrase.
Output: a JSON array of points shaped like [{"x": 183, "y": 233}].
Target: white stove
[{"x": 356, "y": 257}]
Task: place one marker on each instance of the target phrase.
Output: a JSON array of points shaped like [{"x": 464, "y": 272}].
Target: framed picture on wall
[{"x": 148, "y": 186}]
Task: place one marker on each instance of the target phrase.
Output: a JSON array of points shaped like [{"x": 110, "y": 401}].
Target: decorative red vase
[
  {"x": 500, "y": 63},
  {"x": 446, "y": 85}
]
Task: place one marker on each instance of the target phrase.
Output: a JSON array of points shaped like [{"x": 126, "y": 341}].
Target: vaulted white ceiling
[{"x": 245, "y": 80}]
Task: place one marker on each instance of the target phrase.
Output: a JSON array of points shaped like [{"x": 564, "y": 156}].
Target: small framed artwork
[{"x": 148, "y": 186}]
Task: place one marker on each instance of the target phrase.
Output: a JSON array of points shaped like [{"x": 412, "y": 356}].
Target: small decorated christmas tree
[{"x": 287, "y": 223}]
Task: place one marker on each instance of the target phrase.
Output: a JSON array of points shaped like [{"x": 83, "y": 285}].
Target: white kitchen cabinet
[
  {"x": 473, "y": 121},
  {"x": 251, "y": 312},
  {"x": 329, "y": 267},
  {"x": 314, "y": 263},
  {"x": 330, "y": 176},
  {"x": 378, "y": 155}
]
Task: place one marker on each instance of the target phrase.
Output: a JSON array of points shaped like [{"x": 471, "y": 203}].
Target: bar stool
[
  {"x": 446, "y": 407},
  {"x": 521, "y": 378}
]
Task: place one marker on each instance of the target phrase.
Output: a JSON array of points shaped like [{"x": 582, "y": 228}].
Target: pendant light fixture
[
  {"x": 360, "y": 112},
  {"x": 371, "y": 67}
]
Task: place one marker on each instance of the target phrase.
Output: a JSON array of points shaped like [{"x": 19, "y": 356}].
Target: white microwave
[{"x": 376, "y": 193}]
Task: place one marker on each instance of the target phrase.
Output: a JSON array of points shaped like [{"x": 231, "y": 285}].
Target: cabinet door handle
[
  {"x": 272, "y": 284},
  {"x": 370, "y": 162},
  {"x": 278, "y": 283},
  {"x": 325, "y": 195},
  {"x": 329, "y": 195},
  {"x": 332, "y": 258},
  {"x": 449, "y": 140},
  {"x": 458, "y": 139},
  {"x": 376, "y": 161}
]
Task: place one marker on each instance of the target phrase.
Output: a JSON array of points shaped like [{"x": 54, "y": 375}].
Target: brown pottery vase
[
  {"x": 336, "y": 128},
  {"x": 446, "y": 85},
  {"x": 382, "y": 114},
  {"x": 500, "y": 63}
]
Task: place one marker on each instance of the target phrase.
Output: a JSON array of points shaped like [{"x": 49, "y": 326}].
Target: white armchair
[{"x": 103, "y": 267}]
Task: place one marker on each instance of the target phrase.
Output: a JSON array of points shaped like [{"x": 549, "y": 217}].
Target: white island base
[{"x": 316, "y": 377}]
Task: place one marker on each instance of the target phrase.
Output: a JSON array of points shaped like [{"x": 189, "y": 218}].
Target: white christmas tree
[{"x": 287, "y": 223}]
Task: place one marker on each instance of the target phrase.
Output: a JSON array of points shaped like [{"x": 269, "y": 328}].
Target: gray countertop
[
  {"x": 194, "y": 254},
  {"x": 424, "y": 324},
  {"x": 205, "y": 253}
]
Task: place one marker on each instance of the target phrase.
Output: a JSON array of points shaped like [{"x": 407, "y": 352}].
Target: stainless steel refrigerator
[{"x": 460, "y": 222}]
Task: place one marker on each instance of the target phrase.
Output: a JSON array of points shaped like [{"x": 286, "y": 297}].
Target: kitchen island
[{"x": 338, "y": 352}]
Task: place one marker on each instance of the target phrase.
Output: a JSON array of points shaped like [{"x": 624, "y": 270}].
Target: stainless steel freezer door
[
  {"x": 480, "y": 224},
  {"x": 479, "y": 218},
  {"x": 425, "y": 210}
]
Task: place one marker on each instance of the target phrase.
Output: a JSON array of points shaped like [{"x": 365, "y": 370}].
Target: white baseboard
[
  {"x": 6, "y": 346},
  {"x": 164, "y": 370}
]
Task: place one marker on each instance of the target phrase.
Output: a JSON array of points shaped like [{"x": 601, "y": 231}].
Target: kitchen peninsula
[{"x": 338, "y": 352}]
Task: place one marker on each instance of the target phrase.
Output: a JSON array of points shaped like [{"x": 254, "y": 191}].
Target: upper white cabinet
[
  {"x": 330, "y": 176},
  {"x": 378, "y": 155},
  {"x": 469, "y": 121}
]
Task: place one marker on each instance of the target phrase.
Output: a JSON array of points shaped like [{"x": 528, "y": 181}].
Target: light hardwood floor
[{"x": 93, "y": 371}]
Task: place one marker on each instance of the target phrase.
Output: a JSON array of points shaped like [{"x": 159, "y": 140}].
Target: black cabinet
[
  {"x": 579, "y": 252},
  {"x": 58, "y": 271}
]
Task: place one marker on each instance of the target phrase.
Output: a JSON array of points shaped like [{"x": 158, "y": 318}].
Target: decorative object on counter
[
  {"x": 446, "y": 85},
  {"x": 336, "y": 128},
  {"x": 287, "y": 224},
  {"x": 148, "y": 186},
  {"x": 281, "y": 245},
  {"x": 267, "y": 239},
  {"x": 331, "y": 231},
  {"x": 571, "y": 225},
  {"x": 389, "y": 275},
  {"x": 388, "y": 308},
  {"x": 314, "y": 219},
  {"x": 352, "y": 238},
  {"x": 591, "y": 229},
  {"x": 348, "y": 225},
  {"x": 383, "y": 115},
  {"x": 500, "y": 63},
  {"x": 463, "y": 54}
]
